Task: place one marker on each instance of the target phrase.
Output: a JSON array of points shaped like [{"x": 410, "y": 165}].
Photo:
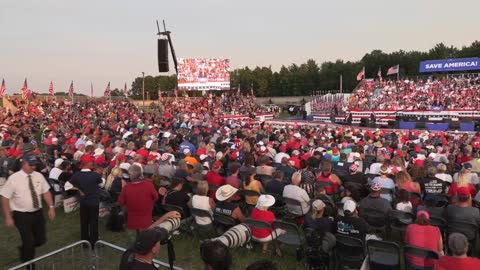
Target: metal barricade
[
  {"x": 77, "y": 256},
  {"x": 108, "y": 256}
]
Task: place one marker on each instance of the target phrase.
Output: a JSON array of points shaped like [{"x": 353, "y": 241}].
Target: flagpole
[{"x": 398, "y": 73}]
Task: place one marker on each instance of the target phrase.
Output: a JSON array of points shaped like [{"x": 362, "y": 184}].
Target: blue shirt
[
  {"x": 185, "y": 145},
  {"x": 386, "y": 183}
]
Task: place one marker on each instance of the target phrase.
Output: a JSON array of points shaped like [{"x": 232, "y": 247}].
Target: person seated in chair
[
  {"x": 458, "y": 245},
  {"x": 225, "y": 206},
  {"x": 351, "y": 224},
  {"x": 374, "y": 202},
  {"x": 260, "y": 212},
  {"x": 293, "y": 191},
  {"x": 176, "y": 196}
]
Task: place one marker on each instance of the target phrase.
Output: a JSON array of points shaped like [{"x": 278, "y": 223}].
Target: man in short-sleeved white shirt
[
  {"x": 22, "y": 206},
  {"x": 293, "y": 191}
]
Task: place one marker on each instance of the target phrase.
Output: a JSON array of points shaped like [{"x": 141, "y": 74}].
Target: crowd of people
[
  {"x": 196, "y": 70},
  {"x": 445, "y": 93},
  {"x": 326, "y": 179}
]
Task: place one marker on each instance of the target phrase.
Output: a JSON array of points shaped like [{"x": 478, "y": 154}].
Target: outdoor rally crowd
[
  {"x": 336, "y": 183},
  {"x": 451, "y": 93}
]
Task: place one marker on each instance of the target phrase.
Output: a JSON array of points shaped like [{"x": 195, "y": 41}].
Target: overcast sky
[{"x": 114, "y": 40}]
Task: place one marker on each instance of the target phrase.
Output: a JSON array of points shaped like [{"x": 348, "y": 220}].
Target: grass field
[{"x": 65, "y": 229}]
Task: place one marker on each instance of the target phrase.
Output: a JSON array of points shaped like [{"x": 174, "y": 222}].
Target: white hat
[
  {"x": 125, "y": 166},
  {"x": 297, "y": 135},
  {"x": 295, "y": 152},
  {"x": 54, "y": 139},
  {"x": 224, "y": 192},
  {"x": 98, "y": 152},
  {"x": 186, "y": 150},
  {"x": 349, "y": 205},
  {"x": 167, "y": 134},
  {"x": 432, "y": 155},
  {"x": 58, "y": 162},
  {"x": 202, "y": 157},
  {"x": 265, "y": 200},
  {"x": 318, "y": 205},
  {"x": 89, "y": 143},
  {"x": 260, "y": 143}
]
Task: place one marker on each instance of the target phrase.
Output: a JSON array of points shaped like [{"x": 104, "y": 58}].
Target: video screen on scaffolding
[{"x": 203, "y": 74}]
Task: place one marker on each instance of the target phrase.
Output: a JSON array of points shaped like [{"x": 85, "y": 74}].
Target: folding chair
[
  {"x": 295, "y": 203},
  {"x": 399, "y": 220},
  {"x": 424, "y": 254},
  {"x": 203, "y": 231},
  {"x": 383, "y": 255},
  {"x": 349, "y": 251},
  {"x": 259, "y": 224},
  {"x": 470, "y": 230},
  {"x": 224, "y": 222},
  {"x": 376, "y": 219},
  {"x": 293, "y": 236}
]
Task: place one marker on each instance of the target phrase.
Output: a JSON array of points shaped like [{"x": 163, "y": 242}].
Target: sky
[{"x": 97, "y": 41}]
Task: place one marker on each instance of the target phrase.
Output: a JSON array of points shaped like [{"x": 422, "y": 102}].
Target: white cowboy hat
[
  {"x": 265, "y": 200},
  {"x": 224, "y": 192}
]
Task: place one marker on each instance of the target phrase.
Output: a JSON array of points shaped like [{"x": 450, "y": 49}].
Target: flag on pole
[
  {"x": 175, "y": 92},
  {"x": 91, "y": 90},
  {"x": 25, "y": 91},
  {"x": 238, "y": 90},
  {"x": 251, "y": 91},
  {"x": 70, "y": 90},
  {"x": 361, "y": 74},
  {"x": 379, "y": 73},
  {"x": 3, "y": 88},
  {"x": 107, "y": 91},
  {"x": 393, "y": 70},
  {"x": 125, "y": 91},
  {"x": 159, "y": 93},
  {"x": 50, "y": 89}
]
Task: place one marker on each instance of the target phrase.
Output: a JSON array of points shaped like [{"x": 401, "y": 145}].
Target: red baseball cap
[
  {"x": 419, "y": 162},
  {"x": 217, "y": 164},
  {"x": 86, "y": 159}
]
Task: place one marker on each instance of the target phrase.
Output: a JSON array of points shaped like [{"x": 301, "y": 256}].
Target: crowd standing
[{"x": 187, "y": 156}]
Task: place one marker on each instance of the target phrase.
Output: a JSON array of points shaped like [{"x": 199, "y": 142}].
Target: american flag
[
  {"x": 125, "y": 91},
  {"x": 361, "y": 74},
  {"x": 379, "y": 73},
  {"x": 25, "y": 91},
  {"x": 107, "y": 91},
  {"x": 393, "y": 70},
  {"x": 3, "y": 88},
  {"x": 70, "y": 90},
  {"x": 50, "y": 89}
]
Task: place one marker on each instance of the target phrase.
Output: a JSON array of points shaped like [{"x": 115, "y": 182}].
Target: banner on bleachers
[{"x": 450, "y": 65}]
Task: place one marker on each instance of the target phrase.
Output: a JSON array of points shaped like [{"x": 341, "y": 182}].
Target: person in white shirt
[
  {"x": 375, "y": 167},
  {"x": 442, "y": 175},
  {"x": 56, "y": 171},
  {"x": 473, "y": 177},
  {"x": 293, "y": 191},
  {"x": 80, "y": 151},
  {"x": 22, "y": 206}
]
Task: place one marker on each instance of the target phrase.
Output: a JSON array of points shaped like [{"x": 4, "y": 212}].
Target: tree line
[{"x": 305, "y": 78}]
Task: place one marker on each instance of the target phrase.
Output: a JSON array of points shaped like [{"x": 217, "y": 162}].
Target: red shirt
[
  {"x": 297, "y": 162},
  {"x": 266, "y": 216},
  {"x": 447, "y": 263},
  {"x": 454, "y": 189},
  {"x": 213, "y": 178},
  {"x": 293, "y": 145},
  {"x": 422, "y": 236},
  {"x": 139, "y": 199}
]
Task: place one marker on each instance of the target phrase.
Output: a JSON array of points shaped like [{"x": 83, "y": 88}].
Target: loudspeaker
[
  {"x": 163, "y": 55},
  {"x": 454, "y": 126},
  {"x": 420, "y": 125},
  {"x": 363, "y": 122}
]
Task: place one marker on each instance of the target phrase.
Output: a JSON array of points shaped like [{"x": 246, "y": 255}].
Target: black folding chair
[
  {"x": 470, "y": 230},
  {"x": 383, "y": 255},
  {"x": 424, "y": 254},
  {"x": 399, "y": 220},
  {"x": 223, "y": 222},
  {"x": 293, "y": 235},
  {"x": 259, "y": 224},
  {"x": 349, "y": 252},
  {"x": 376, "y": 219},
  {"x": 203, "y": 231},
  {"x": 293, "y": 203}
]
